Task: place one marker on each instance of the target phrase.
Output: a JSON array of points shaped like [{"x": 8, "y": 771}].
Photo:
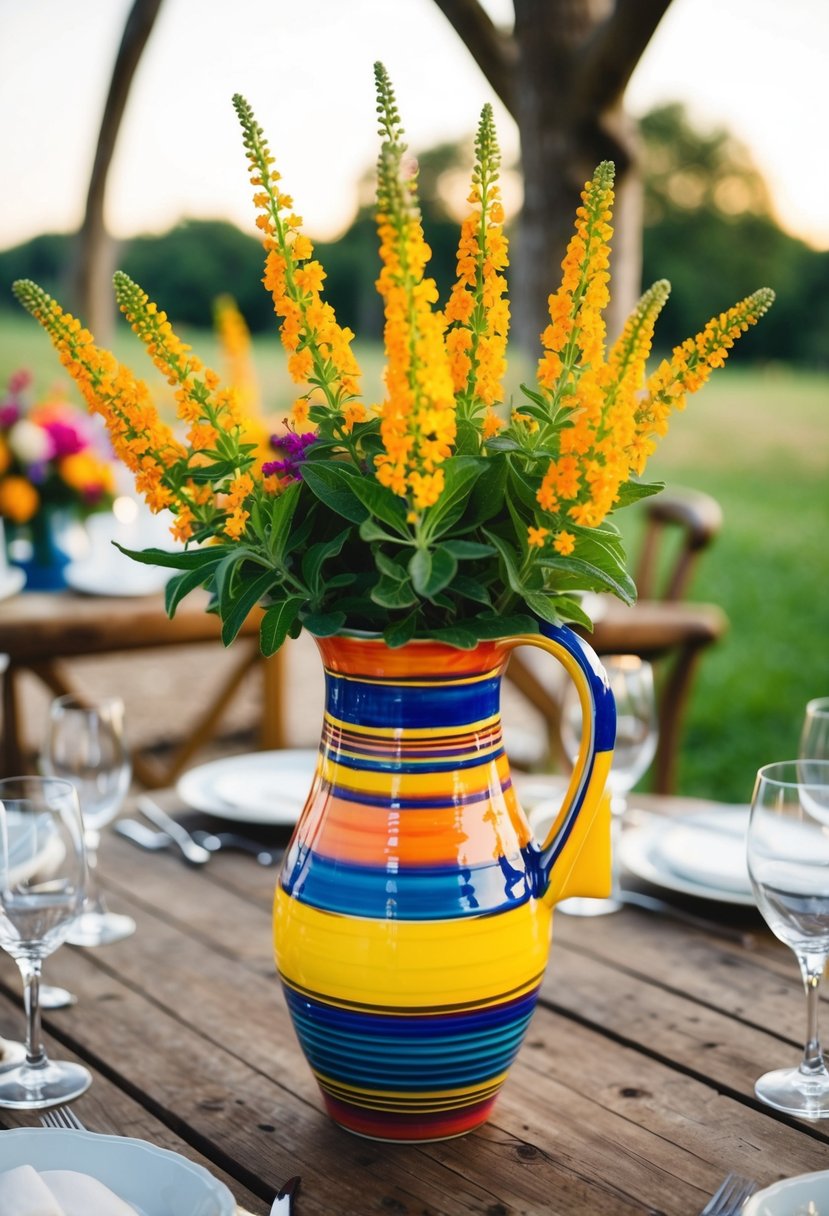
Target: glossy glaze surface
[{"x": 413, "y": 912}]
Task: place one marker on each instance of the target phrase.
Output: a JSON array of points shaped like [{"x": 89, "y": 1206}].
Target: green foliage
[{"x": 706, "y": 206}]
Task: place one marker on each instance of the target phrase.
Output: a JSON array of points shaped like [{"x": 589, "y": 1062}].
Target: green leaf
[
  {"x": 455, "y": 635},
  {"x": 225, "y": 573},
  {"x": 282, "y": 514},
  {"x": 317, "y": 555},
  {"x": 633, "y": 491},
  {"x": 467, "y": 550},
  {"x": 392, "y": 569},
  {"x": 487, "y": 493},
  {"x": 493, "y": 625},
  {"x": 400, "y": 632},
  {"x": 181, "y": 585},
  {"x": 432, "y": 570},
  {"x": 467, "y": 438},
  {"x": 543, "y": 606},
  {"x": 323, "y": 624},
  {"x": 571, "y": 612},
  {"x": 278, "y": 621},
  {"x": 532, "y": 395},
  {"x": 508, "y": 557},
  {"x": 503, "y": 443},
  {"x": 370, "y": 530},
  {"x": 212, "y": 472},
  {"x": 624, "y": 588},
  {"x": 251, "y": 593},
  {"x": 459, "y": 475},
  {"x": 471, "y": 589},
  {"x": 184, "y": 559},
  {"x": 334, "y": 488},
  {"x": 381, "y": 503},
  {"x": 339, "y": 580},
  {"x": 389, "y": 593}
]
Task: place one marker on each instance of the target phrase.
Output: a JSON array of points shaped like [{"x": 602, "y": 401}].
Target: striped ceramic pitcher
[{"x": 413, "y": 910}]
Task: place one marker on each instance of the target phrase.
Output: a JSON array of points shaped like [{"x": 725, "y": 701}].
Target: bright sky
[{"x": 759, "y": 67}]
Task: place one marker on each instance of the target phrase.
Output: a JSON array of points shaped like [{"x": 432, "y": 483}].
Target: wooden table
[
  {"x": 40, "y": 632},
  {"x": 633, "y": 1092}
]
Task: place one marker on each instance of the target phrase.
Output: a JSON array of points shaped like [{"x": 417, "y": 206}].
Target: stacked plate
[
  {"x": 703, "y": 854},
  {"x": 268, "y": 788}
]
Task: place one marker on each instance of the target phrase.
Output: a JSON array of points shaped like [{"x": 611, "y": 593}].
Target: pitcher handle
[{"x": 574, "y": 858}]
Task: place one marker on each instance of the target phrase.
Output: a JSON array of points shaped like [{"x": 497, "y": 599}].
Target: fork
[
  {"x": 730, "y": 1195},
  {"x": 62, "y": 1117}
]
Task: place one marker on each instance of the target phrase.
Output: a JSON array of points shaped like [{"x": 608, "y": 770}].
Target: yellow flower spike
[
  {"x": 138, "y": 435},
  {"x": 575, "y": 337},
  {"x": 690, "y": 366},
  {"x": 477, "y": 312},
  {"x": 234, "y": 342},
  {"x": 418, "y": 416},
  {"x": 198, "y": 396},
  {"x": 295, "y": 282}
]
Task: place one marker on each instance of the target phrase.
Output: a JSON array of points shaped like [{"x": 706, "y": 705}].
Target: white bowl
[
  {"x": 805, "y": 1195},
  {"x": 154, "y": 1180}
]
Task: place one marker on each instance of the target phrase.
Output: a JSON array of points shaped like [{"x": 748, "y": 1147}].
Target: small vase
[
  {"x": 38, "y": 549},
  {"x": 413, "y": 912}
]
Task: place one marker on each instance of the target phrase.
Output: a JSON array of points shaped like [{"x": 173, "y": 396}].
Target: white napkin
[{"x": 25, "y": 1192}]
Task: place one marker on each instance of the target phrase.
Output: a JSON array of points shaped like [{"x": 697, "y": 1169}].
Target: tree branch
[
  {"x": 611, "y": 53},
  {"x": 90, "y": 259},
  {"x": 493, "y": 49}
]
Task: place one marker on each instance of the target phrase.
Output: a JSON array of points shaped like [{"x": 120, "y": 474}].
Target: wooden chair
[{"x": 661, "y": 626}]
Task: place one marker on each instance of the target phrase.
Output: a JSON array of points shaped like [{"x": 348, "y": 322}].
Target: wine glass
[
  {"x": 85, "y": 744},
  {"x": 631, "y": 682},
  {"x": 788, "y": 863},
  {"x": 814, "y": 737},
  {"x": 42, "y": 888}
]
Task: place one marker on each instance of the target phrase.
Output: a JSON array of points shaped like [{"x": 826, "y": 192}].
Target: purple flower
[
  {"x": 9, "y": 413},
  {"x": 66, "y": 439},
  {"x": 294, "y": 447}
]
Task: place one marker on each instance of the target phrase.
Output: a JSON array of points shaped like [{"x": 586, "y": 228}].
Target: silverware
[
  {"x": 282, "y": 1203},
  {"x": 214, "y": 842},
  {"x": 195, "y": 853},
  {"x": 62, "y": 1117},
  {"x": 730, "y": 1196}
]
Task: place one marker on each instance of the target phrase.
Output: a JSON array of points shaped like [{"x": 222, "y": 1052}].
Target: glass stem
[
  {"x": 812, "y": 969},
  {"x": 30, "y": 970},
  {"x": 94, "y": 897}
]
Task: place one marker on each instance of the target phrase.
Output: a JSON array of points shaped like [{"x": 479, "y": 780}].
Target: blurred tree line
[{"x": 709, "y": 228}]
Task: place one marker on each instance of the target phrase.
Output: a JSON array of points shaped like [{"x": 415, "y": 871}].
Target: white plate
[
  {"x": 261, "y": 787},
  {"x": 651, "y": 849},
  {"x": 709, "y": 848},
  {"x": 12, "y": 580},
  {"x": 131, "y": 579},
  {"x": 805, "y": 1195},
  {"x": 154, "y": 1180}
]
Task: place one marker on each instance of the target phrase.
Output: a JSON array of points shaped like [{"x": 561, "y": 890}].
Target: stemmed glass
[
  {"x": 42, "y": 889},
  {"x": 814, "y": 737},
  {"x": 788, "y": 863},
  {"x": 631, "y": 682},
  {"x": 85, "y": 744}
]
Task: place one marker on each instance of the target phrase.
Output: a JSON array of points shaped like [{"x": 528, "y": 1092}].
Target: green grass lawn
[{"x": 758, "y": 440}]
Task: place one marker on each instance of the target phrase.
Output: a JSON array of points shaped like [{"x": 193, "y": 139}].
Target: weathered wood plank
[{"x": 109, "y": 1109}]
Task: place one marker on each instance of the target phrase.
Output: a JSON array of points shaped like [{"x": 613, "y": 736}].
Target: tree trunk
[
  {"x": 562, "y": 74},
  {"x": 93, "y": 261}
]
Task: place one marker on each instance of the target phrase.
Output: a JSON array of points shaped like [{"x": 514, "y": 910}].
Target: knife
[
  {"x": 282, "y": 1204},
  {"x": 193, "y": 852}
]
